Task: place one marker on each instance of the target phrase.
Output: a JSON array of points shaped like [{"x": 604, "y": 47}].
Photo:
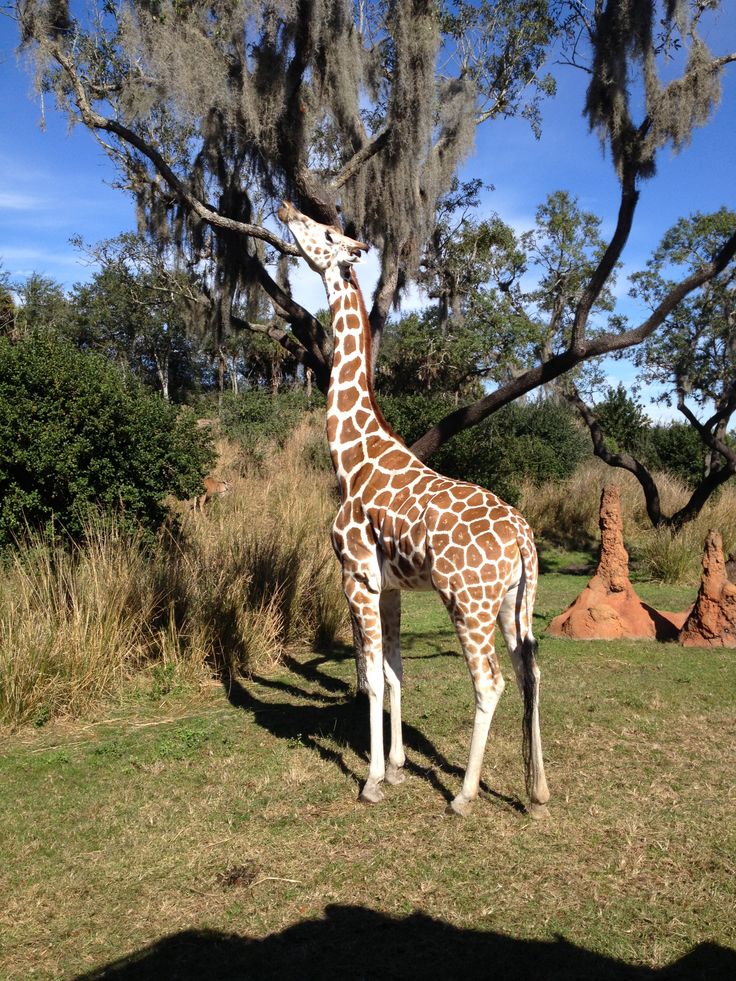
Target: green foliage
[
  {"x": 7, "y": 304},
  {"x": 417, "y": 356},
  {"x": 77, "y": 435},
  {"x": 42, "y": 304},
  {"x": 693, "y": 352},
  {"x": 537, "y": 442},
  {"x": 138, "y": 319},
  {"x": 623, "y": 420},
  {"x": 676, "y": 448},
  {"x": 259, "y": 420}
]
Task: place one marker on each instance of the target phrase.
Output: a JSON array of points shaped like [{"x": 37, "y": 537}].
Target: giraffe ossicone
[{"x": 401, "y": 525}]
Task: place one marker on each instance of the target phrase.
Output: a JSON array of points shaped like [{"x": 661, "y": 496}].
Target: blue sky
[{"x": 56, "y": 182}]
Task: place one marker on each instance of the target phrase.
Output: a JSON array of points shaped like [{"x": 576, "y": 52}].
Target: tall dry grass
[
  {"x": 567, "y": 513},
  {"x": 232, "y": 589}
]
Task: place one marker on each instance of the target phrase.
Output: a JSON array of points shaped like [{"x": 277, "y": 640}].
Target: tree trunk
[
  {"x": 162, "y": 371},
  {"x": 221, "y": 365}
]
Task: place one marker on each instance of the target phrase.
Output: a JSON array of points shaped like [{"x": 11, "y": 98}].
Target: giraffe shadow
[{"x": 340, "y": 719}]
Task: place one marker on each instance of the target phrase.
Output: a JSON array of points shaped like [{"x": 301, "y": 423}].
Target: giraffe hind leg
[
  {"x": 522, "y": 646},
  {"x": 393, "y": 672},
  {"x": 476, "y": 638}
]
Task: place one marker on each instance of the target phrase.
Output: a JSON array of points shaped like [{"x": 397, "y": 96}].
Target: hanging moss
[{"x": 626, "y": 38}]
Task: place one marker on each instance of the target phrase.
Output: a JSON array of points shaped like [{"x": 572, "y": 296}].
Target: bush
[
  {"x": 260, "y": 420},
  {"x": 537, "y": 442},
  {"x": 78, "y": 436},
  {"x": 231, "y": 591},
  {"x": 676, "y": 448}
]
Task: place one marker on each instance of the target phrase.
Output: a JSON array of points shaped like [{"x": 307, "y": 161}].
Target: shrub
[
  {"x": 676, "y": 448},
  {"x": 537, "y": 442},
  {"x": 623, "y": 420},
  {"x": 77, "y": 435},
  {"x": 260, "y": 420},
  {"x": 233, "y": 589}
]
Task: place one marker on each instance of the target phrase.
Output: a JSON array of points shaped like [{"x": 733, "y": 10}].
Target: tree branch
[
  {"x": 707, "y": 435},
  {"x": 353, "y": 165},
  {"x": 624, "y": 461},
  {"x": 557, "y": 365},
  {"x": 627, "y": 207},
  {"x": 307, "y": 329},
  {"x": 209, "y": 214},
  {"x": 277, "y": 334}
]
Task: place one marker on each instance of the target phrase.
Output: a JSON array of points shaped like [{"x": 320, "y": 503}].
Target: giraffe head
[{"x": 323, "y": 246}]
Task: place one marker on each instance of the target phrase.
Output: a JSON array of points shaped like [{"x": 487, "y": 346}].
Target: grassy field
[{"x": 217, "y": 834}]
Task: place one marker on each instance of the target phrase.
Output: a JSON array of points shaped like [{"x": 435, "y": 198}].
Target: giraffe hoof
[
  {"x": 371, "y": 793},
  {"x": 538, "y": 812},
  {"x": 459, "y": 806},
  {"x": 395, "y": 774}
]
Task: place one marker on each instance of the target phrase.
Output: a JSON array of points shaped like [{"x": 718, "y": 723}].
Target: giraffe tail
[{"x": 528, "y": 678}]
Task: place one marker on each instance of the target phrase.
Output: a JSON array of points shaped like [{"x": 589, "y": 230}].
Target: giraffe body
[{"x": 402, "y": 526}]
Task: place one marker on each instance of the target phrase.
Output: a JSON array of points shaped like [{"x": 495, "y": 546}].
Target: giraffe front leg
[
  {"x": 393, "y": 672},
  {"x": 364, "y": 607}
]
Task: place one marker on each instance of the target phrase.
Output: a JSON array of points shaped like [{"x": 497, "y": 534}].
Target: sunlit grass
[{"x": 117, "y": 834}]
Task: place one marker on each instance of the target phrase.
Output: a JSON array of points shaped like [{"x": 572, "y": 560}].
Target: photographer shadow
[{"x": 355, "y": 942}]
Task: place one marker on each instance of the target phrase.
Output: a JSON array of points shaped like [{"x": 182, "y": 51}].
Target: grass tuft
[{"x": 232, "y": 589}]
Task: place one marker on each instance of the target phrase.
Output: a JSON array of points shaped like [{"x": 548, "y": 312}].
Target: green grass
[{"x": 218, "y": 838}]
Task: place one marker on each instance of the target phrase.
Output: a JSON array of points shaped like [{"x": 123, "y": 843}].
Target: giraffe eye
[{"x": 329, "y": 238}]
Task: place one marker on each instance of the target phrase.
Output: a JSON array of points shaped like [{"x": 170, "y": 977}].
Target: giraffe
[{"x": 401, "y": 525}]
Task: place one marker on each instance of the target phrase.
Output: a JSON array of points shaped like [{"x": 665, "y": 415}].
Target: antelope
[{"x": 212, "y": 488}]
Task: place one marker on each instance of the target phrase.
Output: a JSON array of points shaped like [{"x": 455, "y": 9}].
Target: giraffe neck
[{"x": 352, "y": 412}]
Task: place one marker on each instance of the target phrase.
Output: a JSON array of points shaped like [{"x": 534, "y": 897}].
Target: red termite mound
[
  {"x": 608, "y": 607},
  {"x": 712, "y": 621}
]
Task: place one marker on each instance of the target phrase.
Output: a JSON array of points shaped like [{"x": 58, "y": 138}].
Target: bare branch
[
  {"x": 353, "y": 165},
  {"x": 96, "y": 121}
]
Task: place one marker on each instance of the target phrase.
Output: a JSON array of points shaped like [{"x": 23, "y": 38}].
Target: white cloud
[
  {"x": 17, "y": 201},
  {"x": 11, "y": 253}
]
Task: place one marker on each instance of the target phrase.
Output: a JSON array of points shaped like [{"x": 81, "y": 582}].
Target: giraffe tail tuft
[{"x": 528, "y": 677}]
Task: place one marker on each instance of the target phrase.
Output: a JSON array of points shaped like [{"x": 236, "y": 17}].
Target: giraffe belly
[{"x": 400, "y": 574}]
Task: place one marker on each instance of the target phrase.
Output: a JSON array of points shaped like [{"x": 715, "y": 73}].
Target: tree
[
  {"x": 7, "y": 305},
  {"x": 623, "y": 420},
  {"x": 213, "y": 112},
  {"x": 621, "y": 45},
  {"x": 42, "y": 304},
  {"x": 136, "y": 315},
  {"x": 692, "y": 357}
]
